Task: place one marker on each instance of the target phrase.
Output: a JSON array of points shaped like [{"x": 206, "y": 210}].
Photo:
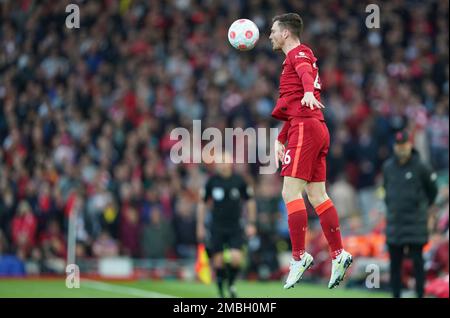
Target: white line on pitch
[{"x": 122, "y": 289}]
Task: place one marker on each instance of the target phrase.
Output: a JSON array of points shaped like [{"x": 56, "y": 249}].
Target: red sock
[
  {"x": 330, "y": 225},
  {"x": 298, "y": 221}
]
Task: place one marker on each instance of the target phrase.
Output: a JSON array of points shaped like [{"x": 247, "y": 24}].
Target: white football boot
[
  {"x": 340, "y": 265},
  {"x": 297, "y": 268}
]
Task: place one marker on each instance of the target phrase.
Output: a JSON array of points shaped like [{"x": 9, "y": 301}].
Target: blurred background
[{"x": 86, "y": 115}]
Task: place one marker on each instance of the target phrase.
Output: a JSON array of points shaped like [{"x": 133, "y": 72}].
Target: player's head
[
  {"x": 224, "y": 164},
  {"x": 403, "y": 146},
  {"x": 284, "y": 27}
]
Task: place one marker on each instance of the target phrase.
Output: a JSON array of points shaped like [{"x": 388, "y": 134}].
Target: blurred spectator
[
  {"x": 53, "y": 247},
  {"x": 130, "y": 232},
  {"x": 24, "y": 226},
  {"x": 10, "y": 265},
  {"x": 345, "y": 199},
  {"x": 105, "y": 246},
  {"x": 7, "y": 208},
  {"x": 184, "y": 222},
  {"x": 438, "y": 134},
  {"x": 439, "y": 261},
  {"x": 157, "y": 237},
  {"x": 263, "y": 250},
  {"x": 52, "y": 241}
]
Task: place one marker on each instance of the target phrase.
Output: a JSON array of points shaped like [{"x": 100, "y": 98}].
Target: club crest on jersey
[
  {"x": 218, "y": 194},
  {"x": 301, "y": 55},
  {"x": 234, "y": 194}
]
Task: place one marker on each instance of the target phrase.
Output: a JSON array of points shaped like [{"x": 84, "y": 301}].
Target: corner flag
[{"x": 202, "y": 267}]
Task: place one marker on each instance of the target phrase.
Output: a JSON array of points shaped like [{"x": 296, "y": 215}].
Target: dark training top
[{"x": 227, "y": 195}]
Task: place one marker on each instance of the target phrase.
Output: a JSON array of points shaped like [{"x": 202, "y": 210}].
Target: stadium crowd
[{"x": 86, "y": 116}]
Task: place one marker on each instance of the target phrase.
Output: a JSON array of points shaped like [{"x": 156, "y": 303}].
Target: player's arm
[
  {"x": 251, "y": 211},
  {"x": 279, "y": 143},
  {"x": 305, "y": 72},
  {"x": 429, "y": 178},
  {"x": 201, "y": 212},
  {"x": 251, "y": 223}
]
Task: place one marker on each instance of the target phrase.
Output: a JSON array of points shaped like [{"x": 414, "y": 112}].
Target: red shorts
[{"x": 307, "y": 149}]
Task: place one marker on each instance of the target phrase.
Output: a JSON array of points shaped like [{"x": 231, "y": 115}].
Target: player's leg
[
  {"x": 295, "y": 172},
  {"x": 328, "y": 215},
  {"x": 234, "y": 267},
  {"x": 415, "y": 251},
  {"x": 234, "y": 240},
  {"x": 329, "y": 220},
  {"x": 296, "y": 168},
  {"x": 297, "y": 222},
  {"x": 396, "y": 260},
  {"x": 297, "y": 216},
  {"x": 217, "y": 242},
  {"x": 220, "y": 270}
]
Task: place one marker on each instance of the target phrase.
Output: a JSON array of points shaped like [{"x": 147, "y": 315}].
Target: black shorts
[{"x": 221, "y": 239}]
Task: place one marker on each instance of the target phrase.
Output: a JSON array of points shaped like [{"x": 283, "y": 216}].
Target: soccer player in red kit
[{"x": 304, "y": 156}]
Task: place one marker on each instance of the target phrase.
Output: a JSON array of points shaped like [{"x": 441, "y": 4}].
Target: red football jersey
[{"x": 291, "y": 87}]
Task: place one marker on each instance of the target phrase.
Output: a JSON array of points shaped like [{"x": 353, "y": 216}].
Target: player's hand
[
  {"x": 250, "y": 230},
  {"x": 279, "y": 153},
  {"x": 200, "y": 234},
  {"x": 310, "y": 100}
]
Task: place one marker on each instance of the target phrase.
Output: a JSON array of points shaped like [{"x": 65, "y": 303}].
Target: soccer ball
[{"x": 243, "y": 34}]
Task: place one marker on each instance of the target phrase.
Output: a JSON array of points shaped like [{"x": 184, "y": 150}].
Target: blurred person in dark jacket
[
  {"x": 53, "y": 248},
  {"x": 157, "y": 237},
  {"x": 130, "y": 232},
  {"x": 410, "y": 188},
  {"x": 184, "y": 224}
]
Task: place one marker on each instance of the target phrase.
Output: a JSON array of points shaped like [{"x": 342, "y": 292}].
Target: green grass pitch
[{"x": 55, "y": 288}]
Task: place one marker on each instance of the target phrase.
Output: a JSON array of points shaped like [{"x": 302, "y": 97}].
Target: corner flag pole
[{"x": 72, "y": 236}]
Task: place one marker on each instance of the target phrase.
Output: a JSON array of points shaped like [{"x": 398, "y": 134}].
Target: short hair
[{"x": 291, "y": 21}]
